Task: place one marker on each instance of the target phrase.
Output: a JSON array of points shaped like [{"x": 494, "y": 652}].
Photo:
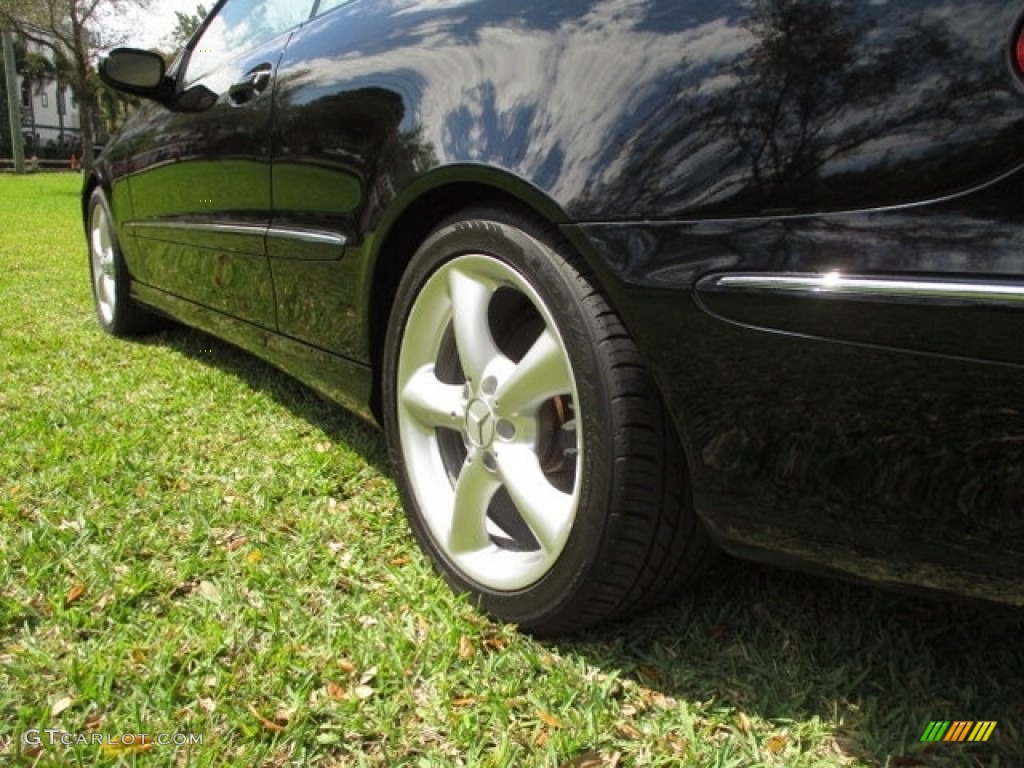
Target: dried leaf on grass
[
  {"x": 363, "y": 692},
  {"x": 589, "y": 760},
  {"x": 209, "y": 590},
  {"x": 74, "y": 594},
  {"x": 184, "y": 588},
  {"x": 678, "y": 744},
  {"x": 360, "y": 692},
  {"x": 335, "y": 691},
  {"x": 549, "y": 720},
  {"x": 105, "y": 599},
  {"x": 266, "y": 723},
  {"x": 495, "y": 642},
  {"x": 127, "y": 745},
  {"x": 61, "y": 705},
  {"x": 743, "y": 723},
  {"x": 28, "y": 751},
  {"x": 631, "y": 732}
]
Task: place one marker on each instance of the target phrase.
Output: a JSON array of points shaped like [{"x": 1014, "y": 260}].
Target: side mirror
[
  {"x": 143, "y": 73},
  {"x": 137, "y": 72}
]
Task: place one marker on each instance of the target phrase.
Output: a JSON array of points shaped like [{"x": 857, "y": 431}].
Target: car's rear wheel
[
  {"x": 531, "y": 449},
  {"x": 117, "y": 312}
]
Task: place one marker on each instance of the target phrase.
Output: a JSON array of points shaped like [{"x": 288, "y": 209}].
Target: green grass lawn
[{"x": 193, "y": 543}]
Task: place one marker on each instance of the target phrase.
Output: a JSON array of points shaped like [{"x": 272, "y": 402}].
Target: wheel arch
[
  {"x": 408, "y": 221},
  {"x": 97, "y": 177},
  {"x": 92, "y": 180}
]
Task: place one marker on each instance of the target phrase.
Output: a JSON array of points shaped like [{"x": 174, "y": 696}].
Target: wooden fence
[{"x": 7, "y": 164}]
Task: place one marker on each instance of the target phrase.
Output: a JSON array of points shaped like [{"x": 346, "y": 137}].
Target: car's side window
[
  {"x": 330, "y": 5},
  {"x": 239, "y": 26}
]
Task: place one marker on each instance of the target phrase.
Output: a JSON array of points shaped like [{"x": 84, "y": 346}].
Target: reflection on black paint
[
  {"x": 342, "y": 142},
  {"x": 333, "y": 167},
  {"x": 881, "y": 464},
  {"x": 828, "y": 108}
]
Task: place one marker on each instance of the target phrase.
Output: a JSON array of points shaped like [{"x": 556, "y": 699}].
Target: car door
[
  {"x": 201, "y": 175},
  {"x": 328, "y": 139}
]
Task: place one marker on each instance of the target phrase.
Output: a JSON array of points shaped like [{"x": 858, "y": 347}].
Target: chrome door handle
[{"x": 251, "y": 85}]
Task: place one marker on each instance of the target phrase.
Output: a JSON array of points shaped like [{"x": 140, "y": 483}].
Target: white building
[{"x": 49, "y": 110}]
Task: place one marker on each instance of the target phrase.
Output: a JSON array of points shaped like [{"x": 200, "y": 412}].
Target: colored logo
[{"x": 959, "y": 730}]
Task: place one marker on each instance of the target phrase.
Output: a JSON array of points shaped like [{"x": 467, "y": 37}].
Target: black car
[{"x": 622, "y": 280}]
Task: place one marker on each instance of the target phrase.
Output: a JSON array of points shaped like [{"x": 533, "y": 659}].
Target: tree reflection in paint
[{"x": 805, "y": 118}]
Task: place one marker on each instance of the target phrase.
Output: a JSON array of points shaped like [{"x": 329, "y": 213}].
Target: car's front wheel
[
  {"x": 530, "y": 446},
  {"x": 117, "y": 312}
]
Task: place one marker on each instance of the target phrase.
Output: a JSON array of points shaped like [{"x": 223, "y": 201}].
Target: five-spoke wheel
[{"x": 487, "y": 408}]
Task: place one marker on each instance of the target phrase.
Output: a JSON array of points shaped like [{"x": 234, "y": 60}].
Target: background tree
[
  {"x": 62, "y": 73},
  {"x": 37, "y": 71},
  {"x": 71, "y": 30},
  {"x": 186, "y": 26},
  {"x": 113, "y": 106}
]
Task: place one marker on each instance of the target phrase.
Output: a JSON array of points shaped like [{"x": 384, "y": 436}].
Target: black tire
[
  {"x": 117, "y": 312},
  {"x": 602, "y": 440}
]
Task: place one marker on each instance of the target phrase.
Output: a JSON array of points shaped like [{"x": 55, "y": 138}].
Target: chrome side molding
[
  {"x": 316, "y": 236},
  {"x": 874, "y": 287}
]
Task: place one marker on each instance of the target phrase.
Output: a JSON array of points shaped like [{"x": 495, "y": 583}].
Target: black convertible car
[{"x": 622, "y": 280}]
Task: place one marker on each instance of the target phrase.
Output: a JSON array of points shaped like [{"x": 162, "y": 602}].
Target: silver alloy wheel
[
  {"x": 101, "y": 255},
  {"x": 488, "y": 423}
]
